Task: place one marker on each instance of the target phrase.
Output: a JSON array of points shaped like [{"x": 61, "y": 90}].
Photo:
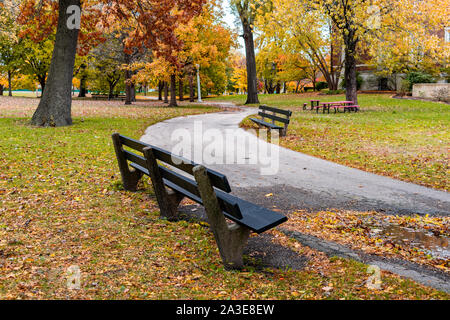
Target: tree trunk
[
  {"x": 173, "y": 91},
  {"x": 160, "y": 89},
  {"x": 111, "y": 91},
  {"x": 351, "y": 84},
  {"x": 42, "y": 83},
  {"x": 191, "y": 88},
  {"x": 1, "y": 89},
  {"x": 278, "y": 87},
  {"x": 10, "y": 83},
  {"x": 55, "y": 106},
  {"x": 252, "y": 81},
  {"x": 133, "y": 92},
  {"x": 83, "y": 89},
  {"x": 166, "y": 92},
  {"x": 128, "y": 87},
  {"x": 128, "y": 97},
  {"x": 270, "y": 87},
  {"x": 83, "y": 80},
  {"x": 181, "y": 88}
]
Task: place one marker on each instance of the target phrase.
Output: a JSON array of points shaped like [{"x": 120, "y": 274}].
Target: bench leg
[
  {"x": 168, "y": 201},
  {"x": 283, "y": 132},
  {"x": 231, "y": 239},
  {"x": 130, "y": 178}
]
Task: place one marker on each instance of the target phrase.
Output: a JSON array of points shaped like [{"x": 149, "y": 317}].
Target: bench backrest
[
  {"x": 176, "y": 181},
  {"x": 218, "y": 180},
  {"x": 274, "y": 117}
]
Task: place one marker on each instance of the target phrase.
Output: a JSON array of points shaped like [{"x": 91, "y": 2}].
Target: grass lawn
[
  {"x": 62, "y": 205},
  {"x": 404, "y": 139}
]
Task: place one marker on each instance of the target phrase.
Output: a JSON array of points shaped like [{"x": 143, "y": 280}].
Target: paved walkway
[{"x": 302, "y": 181}]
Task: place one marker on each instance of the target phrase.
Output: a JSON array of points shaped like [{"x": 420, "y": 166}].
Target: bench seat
[
  {"x": 254, "y": 217},
  {"x": 275, "y": 115},
  {"x": 266, "y": 124}
]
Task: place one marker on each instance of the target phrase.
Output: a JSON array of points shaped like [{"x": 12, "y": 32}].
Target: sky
[
  {"x": 230, "y": 19},
  {"x": 228, "y": 16}
]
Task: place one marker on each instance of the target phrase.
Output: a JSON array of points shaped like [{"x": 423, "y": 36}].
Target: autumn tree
[
  {"x": 361, "y": 22},
  {"x": 379, "y": 25},
  {"x": 82, "y": 73},
  {"x": 3, "y": 83},
  {"x": 238, "y": 79},
  {"x": 303, "y": 34},
  {"x": 55, "y": 106},
  {"x": 295, "y": 67},
  {"x": 155, "y": 21},
  {"x": 207, "y": 42},
  {"x": 417, "y": 46}
]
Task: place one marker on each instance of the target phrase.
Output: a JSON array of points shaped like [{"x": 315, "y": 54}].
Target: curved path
[{"x": 302, "y": 181}]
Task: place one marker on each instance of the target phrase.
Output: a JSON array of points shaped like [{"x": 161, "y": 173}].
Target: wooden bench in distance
[
  {"x": 204, "y": 186},
  {"x": 276, "y": 116},
  {"x": 99, "y": 96}
]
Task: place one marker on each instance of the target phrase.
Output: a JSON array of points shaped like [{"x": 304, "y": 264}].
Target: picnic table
[
  {"x": 346, "y": 105},
  {"x": 314, "y": 104}
]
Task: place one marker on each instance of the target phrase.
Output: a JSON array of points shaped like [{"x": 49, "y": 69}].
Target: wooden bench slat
[
  {"x": 273, "y": 117},
  {"x": 267, "y": 124},
  {"x": 254, "y": 217},
  {"x": 179, "y": 180},
  {"x": 186, "y": 184},
  {"x": 217, "y": 179},
  {"x": 188, "y": 187},
  {"x": 135, "y": 158},
  {"x": 280, "y": 111}
]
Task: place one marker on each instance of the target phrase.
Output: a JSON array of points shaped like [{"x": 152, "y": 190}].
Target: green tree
[
  {"x": 37, "y": 57},
  {"x": 105, "y": 65},
  {"x": 10, "y": 44}
]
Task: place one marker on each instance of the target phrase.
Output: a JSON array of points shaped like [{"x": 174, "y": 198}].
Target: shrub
[
  {"x": 321, "y": 85},
  {"x": 417, "y": 77},
  {"x": 332, "y": 92}
]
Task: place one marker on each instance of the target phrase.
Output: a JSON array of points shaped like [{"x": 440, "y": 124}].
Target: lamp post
[{"x": 198, "y": 84}]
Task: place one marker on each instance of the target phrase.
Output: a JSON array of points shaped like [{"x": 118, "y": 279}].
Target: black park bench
[
  {"x": 175, "y": 178},
  {"x": 278, "y": 115}
]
